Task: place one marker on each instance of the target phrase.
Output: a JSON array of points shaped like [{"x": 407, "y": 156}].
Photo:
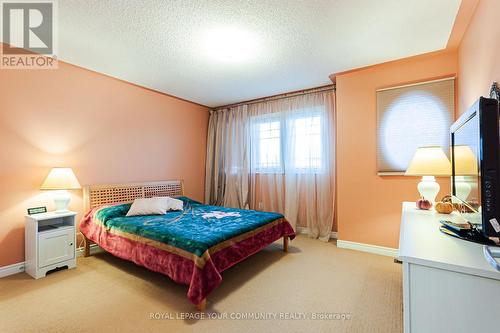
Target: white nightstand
[{"x": 50, "y": 242}]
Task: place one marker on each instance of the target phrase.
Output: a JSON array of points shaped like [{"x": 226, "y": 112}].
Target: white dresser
[
  {"x": 448, "y": 285},
  {"x": 50, "y": 242}
]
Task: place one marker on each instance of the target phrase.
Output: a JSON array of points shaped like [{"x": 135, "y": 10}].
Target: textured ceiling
[{"x": 295, "y": 44}]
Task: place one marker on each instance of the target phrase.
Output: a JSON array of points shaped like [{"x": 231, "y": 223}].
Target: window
[
  {"x": 307, "y": 145},
  {"x": 295, "y": 142},
  {"x": 410, "y": 117},
  {"x": 266, "y": 144}
]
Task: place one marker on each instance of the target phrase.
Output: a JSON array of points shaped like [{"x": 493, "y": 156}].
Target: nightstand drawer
[{"x": 56, "y": 246}]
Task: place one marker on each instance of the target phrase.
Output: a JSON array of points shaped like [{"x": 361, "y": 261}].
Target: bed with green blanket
[{"x": 192, "y": 246}]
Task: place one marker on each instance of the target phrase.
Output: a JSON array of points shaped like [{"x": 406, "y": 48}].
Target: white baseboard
[
  {"x": 11, "y": 269},
  {"x": 375, "y": 249},
  {"x": 19, "y": 267},
  {"x": 305, "y": 231}
]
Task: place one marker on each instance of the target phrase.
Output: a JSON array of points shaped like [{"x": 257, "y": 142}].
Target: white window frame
[
  {"x": 285, "y": 123},
  {"x": 256, "y": 165},
  {"x": 304, "y": 114}
]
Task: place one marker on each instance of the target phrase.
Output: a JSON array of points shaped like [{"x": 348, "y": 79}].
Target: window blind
[{"x": 412, "y": 116}]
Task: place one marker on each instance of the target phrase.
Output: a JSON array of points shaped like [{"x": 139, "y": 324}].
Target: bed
[{"x": 192, "y": 246}]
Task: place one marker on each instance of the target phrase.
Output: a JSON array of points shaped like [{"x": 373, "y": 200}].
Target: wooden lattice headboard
[{"x": 95, "y": 195}]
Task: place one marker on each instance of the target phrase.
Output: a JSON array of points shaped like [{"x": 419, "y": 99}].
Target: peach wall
[
  {"x": 479, "y": 54},
  {"x": 369, "y": 206},
  {"x": 107, "y": 130}
]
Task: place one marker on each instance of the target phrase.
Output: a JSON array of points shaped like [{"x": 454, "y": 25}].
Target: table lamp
[
  {"x": 61, "y": 179},
  {"x": 429, "y": 162}
]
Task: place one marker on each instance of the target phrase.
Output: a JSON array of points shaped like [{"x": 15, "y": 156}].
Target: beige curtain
[
  {"x": 215, "y": 176},
  {"x": 277, "y": 156}
]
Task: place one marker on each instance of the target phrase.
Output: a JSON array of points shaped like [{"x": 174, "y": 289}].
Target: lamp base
[
  {"x": 428, "y": 188},
  {"x": 61, "y": 201}
]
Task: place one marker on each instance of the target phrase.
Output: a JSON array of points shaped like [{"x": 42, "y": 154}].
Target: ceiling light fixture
[{"x": 230, "y": 45}]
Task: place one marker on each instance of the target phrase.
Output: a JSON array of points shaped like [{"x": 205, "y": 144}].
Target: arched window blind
[{"x": 412, "y": 116}]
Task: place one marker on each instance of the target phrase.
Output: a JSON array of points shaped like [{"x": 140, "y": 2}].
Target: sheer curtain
[
  {"x": 227, "y": 166},
  {"x": 276, "y": 155}
]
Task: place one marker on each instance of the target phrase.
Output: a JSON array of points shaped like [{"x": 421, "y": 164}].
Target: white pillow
[
  {"x": 174, "y": 204},
  {"x": 148, "y": 206}
]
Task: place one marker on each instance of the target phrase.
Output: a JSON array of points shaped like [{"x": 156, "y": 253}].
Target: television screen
[
  {"x": 466, "y": 175},
  {"x": 476, "y": 166}
]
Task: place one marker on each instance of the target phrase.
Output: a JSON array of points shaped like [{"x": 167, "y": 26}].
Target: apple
[{"x": 423, "y": 203}]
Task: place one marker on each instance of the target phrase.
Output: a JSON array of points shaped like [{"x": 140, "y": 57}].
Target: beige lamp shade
[
  {"x": 465, "y": 161},
  {"x": 429, "y": 161},
  {"x": 61, "y": 179}
]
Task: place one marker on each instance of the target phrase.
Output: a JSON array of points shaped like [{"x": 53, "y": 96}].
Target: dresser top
[{"x": 421, "y": 242}]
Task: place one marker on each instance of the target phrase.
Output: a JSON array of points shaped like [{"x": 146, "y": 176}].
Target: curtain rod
[{"x": 280, "y": 96}]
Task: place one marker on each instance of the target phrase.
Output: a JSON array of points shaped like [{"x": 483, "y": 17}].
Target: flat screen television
[{"x": 476, "y": 166}]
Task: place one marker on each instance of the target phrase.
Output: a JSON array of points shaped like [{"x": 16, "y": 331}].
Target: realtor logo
[{"x": 28, "y": 34}]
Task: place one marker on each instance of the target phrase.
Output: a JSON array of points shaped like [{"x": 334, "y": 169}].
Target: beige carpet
[{"x": 106, "y": 294}]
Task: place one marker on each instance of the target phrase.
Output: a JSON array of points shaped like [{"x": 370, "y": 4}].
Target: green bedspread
[{"x": 195, "y": 229}]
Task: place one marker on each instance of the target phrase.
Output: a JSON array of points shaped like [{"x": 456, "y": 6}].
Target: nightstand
[{"x": 50, "y": 242}]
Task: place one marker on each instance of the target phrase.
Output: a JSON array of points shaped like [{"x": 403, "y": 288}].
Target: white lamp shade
[
  {"x": 61, "y": 179},
  {"x": 429, "y": 161}
]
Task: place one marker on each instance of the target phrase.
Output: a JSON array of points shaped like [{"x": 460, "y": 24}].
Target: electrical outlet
[{"x": 21, "y": 268}]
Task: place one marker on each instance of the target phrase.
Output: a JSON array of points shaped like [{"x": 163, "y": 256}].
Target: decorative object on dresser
[
  {"x": 429, "y": 162},
  {"x": 494, "y": 91},
  {"x": 443, "y": 207},
  {"x": 424, "y": 204},
  {"x": 61, "y": 180},
  {"x": 50, "y": 240}
]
